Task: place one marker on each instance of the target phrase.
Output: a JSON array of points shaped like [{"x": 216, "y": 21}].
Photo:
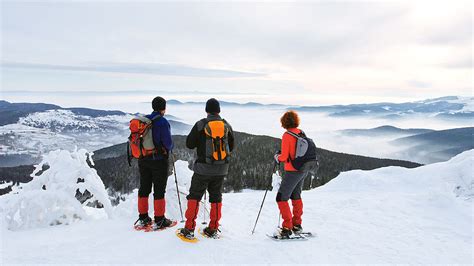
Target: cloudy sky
[{"x": 298, "y": 53}]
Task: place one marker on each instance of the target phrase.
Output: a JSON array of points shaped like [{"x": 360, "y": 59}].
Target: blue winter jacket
[{"x": 161, "y": 134}]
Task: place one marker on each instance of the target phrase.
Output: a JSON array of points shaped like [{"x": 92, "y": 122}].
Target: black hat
[
  {"x": 158, "y": 104},
  {"x": 213, "y": 106}
]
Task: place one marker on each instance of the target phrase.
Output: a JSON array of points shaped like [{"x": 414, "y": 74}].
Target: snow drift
[{"x": 62, "y": 194}]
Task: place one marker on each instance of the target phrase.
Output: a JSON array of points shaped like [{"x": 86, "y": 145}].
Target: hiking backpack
[
  {"x": 217, "y": 146},
  {"x": 140, "y": 141},
  {"x": 305, "y": 156}
]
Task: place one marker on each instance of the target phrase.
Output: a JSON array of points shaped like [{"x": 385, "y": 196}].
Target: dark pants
[
  {"x": 153, "y": 173},
  {"x": 200, "y": 183},
  {"x": 291, "y": 186}
]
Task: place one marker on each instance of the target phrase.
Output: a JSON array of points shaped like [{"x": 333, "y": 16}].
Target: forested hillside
[{"x": 251, "y": 164}]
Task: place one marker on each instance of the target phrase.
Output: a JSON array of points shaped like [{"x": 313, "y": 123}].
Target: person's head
[
  {"x": 159, "y": 105},
  {"x": 289, "y": 120},
  {"x": 213, "y": 106}
]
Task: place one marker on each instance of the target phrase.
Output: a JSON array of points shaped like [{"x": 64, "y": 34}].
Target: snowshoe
[
  {"x": 210, "y": 233},
  {"x": 307, "y": 234},
  {"x": 285, "y": 234},
  {"x": 186, "y": 235},
  {"x": 143, "y": 223},
  {"x": 161, "y": 224},
  {"x": 298, "y": 230}
]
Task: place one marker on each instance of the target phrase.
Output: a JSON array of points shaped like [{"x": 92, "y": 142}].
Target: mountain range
[
  {"x": 28, "y": 130},
  {"x": 449, "y": 107},
  {"x": 384, "y": 130},
  {"x": 426, "y": 145}
]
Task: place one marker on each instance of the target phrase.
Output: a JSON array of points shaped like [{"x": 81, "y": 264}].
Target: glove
[{"x": 276, "y": 157}]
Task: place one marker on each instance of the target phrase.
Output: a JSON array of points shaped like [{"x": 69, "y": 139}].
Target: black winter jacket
[{"x": 197, "y": 140}]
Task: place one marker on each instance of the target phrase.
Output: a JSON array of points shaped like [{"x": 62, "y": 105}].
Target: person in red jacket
[{"x": 292, "y": 182}]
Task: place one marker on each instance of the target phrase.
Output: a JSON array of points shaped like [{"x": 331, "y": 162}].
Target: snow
[
  {"x": 388, "y": 215},
  {"x": 50, "y": 198},
  {"x": 41, "y": 132},
  {"x": 468, "y": 104},
  {"x": 5, "y": 185}
]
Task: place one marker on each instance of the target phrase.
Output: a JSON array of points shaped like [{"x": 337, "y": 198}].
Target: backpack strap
[
  {"x": 201, "y": 124},
  {"x": 129, "y": 156},
  {"x": 293, "y": 134},
  {"x": 157, "y": 117}
]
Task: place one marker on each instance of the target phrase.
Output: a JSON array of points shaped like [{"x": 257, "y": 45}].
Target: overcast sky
[{"x": 316, "y": 51}]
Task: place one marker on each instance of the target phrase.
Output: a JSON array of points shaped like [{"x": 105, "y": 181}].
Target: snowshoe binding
[
  {"x": 143, "y": 223},
  {"x": 186, "y": 235},
  {"x": 161, "y": 224},
  {"x": 210, "y": 233}
]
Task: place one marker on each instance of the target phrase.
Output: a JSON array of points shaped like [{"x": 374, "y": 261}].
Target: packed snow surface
[{"x": 388, "y": 215}]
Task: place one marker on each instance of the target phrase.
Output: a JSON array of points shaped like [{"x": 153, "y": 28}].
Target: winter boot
[
  {"x": 144, "y": 221},
  {"x": 211, "y": 233},
  {"x": 297, "y": 229},
  {"x": 285, "y": 233},
  {"x": 186, "y": 233},
  {"x": 161, "y": 223}
]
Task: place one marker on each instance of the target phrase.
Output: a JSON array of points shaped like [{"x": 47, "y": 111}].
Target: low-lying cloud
[{"x": 142, "y": 68}]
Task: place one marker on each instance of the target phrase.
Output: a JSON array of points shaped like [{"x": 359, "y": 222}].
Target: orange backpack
[
  {"x": 140, "y": 141},
  {"x": 217, "y": 147}
]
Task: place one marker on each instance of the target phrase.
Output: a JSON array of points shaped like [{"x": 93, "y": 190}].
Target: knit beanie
[
  {"x": 213, "y": 106},
  {"x": 158, "y": 104}
]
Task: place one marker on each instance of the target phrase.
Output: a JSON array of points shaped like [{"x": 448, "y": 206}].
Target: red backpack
[{"x": 140, "y": 141}]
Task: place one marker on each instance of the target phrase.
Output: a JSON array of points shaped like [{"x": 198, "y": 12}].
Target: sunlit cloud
[
  {"x": 150, "y": 69},
  {"x": 384, "y": 50}
]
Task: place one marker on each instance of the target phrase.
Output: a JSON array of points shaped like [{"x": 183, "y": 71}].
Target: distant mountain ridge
[
  {"x": 33, "y": 129},
  {"x": 385, "y": 130},
  {"x": 11, "y": 112},
  {"x": 427, "y": 145},
  {"x": 447, "y": 107},
  {"x": 226, "y": 103},
  {"x": 460, "y": 136},
  {"x": 443, "y": 107},
  {"x": 437, "y": 146}
]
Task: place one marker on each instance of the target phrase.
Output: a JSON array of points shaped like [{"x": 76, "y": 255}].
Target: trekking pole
[
  {"x": 261, "y": 206},
  {"x": 177, "y": 189},
  {"x": 205, "y": 208}
]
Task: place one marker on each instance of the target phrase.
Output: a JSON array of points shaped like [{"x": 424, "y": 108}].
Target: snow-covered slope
[
  {"x": 41, "y": 132},
  {"x": 389, "y": 215}
]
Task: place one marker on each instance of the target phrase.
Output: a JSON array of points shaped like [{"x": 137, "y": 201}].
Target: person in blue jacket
[{"x": 154, "y": 170}]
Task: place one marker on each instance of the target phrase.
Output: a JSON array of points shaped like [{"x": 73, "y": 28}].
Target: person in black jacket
[{"x": 209, "y": 168}]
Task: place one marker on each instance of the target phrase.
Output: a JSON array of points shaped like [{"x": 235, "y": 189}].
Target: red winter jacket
[{"x": 288, "y": 149}]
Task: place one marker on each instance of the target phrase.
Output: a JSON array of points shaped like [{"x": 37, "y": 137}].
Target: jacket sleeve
[
  {"x": 285, "y": 148},
  {"x": 193, "y": 137},
  {"x": 165, "y": 136}
]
